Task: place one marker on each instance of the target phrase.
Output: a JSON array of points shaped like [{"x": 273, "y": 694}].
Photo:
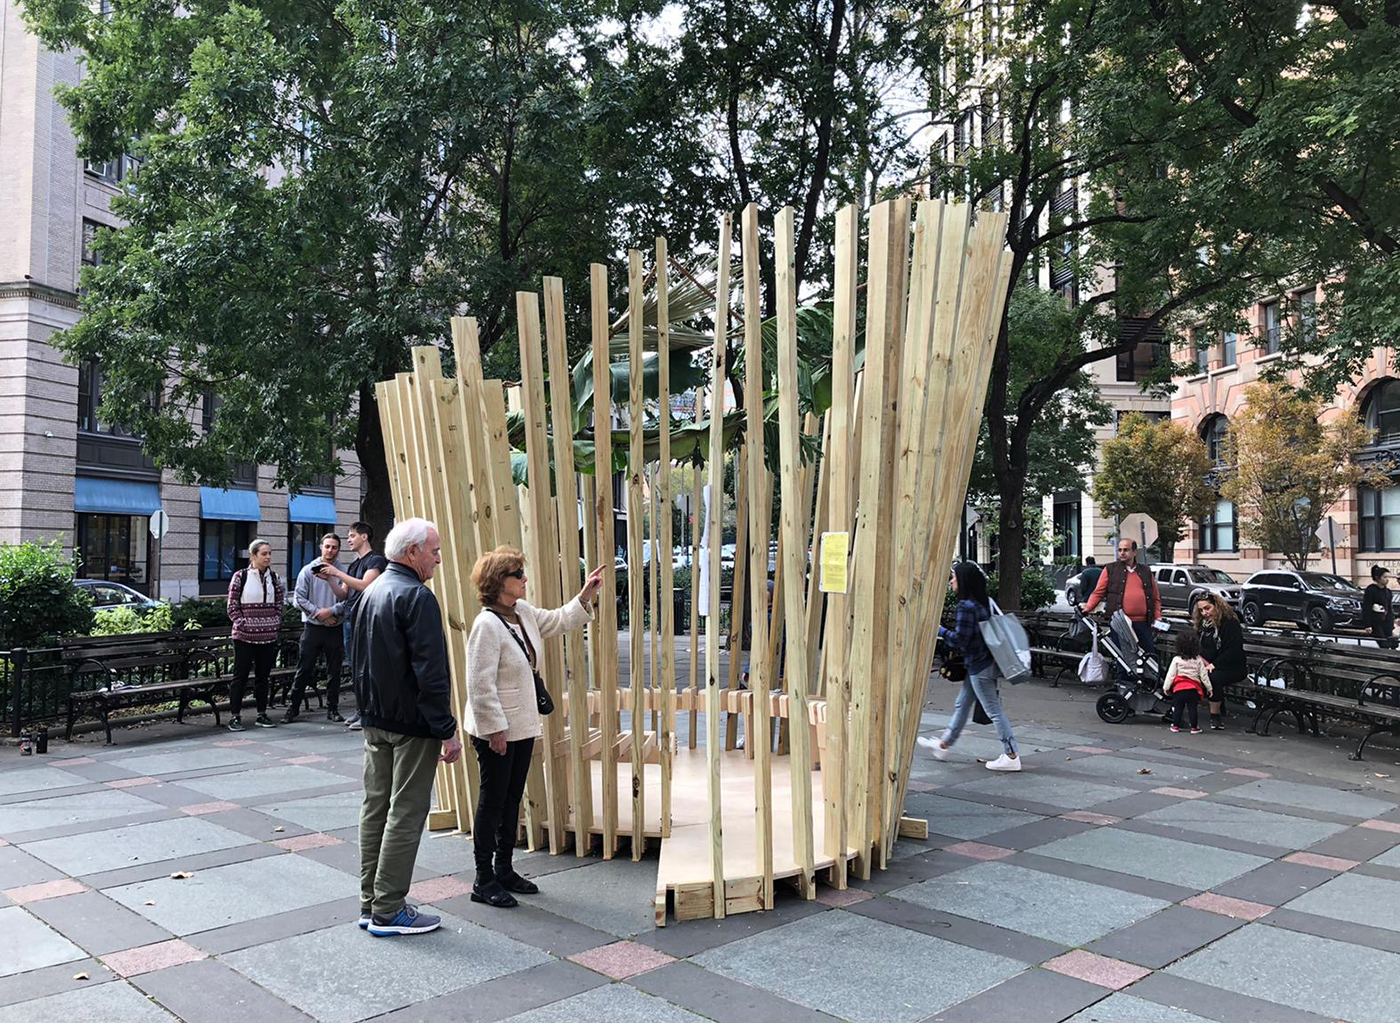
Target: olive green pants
[{"x": 399, "y": 772}]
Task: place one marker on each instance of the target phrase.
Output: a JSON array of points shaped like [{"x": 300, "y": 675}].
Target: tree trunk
[{"x": 377, "y": 505}]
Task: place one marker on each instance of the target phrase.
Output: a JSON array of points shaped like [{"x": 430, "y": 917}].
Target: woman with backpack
[
  {"x": 980, "y": 686},
  {"x": 255, "y": 598}
]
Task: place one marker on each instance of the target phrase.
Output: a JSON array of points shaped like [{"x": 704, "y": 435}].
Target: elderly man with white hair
[{"x": 399, "y": 663}]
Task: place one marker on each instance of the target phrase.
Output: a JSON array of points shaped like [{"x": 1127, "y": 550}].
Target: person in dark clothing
[
  {"x": 1089, "y": 578},
  {"x": 400, "y": 677},
  {"x": 1378, "y": 613},
  {"x": 1222, "y": 647},
  {"x": 980, "y": 686},
  {"x": 365, "y": 569}
]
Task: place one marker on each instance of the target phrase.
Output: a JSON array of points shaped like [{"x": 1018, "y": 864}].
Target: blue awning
[
  {"x": 115, "y": 497},
  {"x": 237, "y": 505},
  {"x": 308, "y": 508}
]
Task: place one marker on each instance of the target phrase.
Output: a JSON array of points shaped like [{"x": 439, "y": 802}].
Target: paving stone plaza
[{"x": 1121, "y": 878}]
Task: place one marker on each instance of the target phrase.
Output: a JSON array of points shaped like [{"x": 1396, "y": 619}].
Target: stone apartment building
[
  {"x": 1206, "y": 401},
  {"x": 67, "y": 475}
]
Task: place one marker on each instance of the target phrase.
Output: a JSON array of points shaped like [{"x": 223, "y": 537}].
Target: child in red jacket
[{"x": 1188, "y": 679}]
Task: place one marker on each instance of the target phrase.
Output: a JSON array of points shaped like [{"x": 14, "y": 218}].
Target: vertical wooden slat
[
  {"x": 605, "y": 650},
  {"x": 794, "y": 555},
  {"x": 736, "y": 594},
  {"x": 714, "y": 752},
  {"x": 571, "y": 581},
  {"x": 636, "y": 512},
  {"x": 667, "y": 583},
  {"x": 697, "y": 497},
  {"x": 841, "y": 423},
  {"x": 758, "y": 742},
  {"x": 544, "y": 553},
  {"x": 653, "y": 599}
]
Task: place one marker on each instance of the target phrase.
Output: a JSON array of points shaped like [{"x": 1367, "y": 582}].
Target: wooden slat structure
[{"x": 841, "y": 674}]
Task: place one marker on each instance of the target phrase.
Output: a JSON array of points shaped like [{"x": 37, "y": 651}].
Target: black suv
[{"x": 1317, "y": 600}]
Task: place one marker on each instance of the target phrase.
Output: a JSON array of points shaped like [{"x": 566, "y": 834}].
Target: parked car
[
  {"x": 1182, "y": 585},
  {"x": 1318, "y": 600},
  {"x": 108, "y": 595}
]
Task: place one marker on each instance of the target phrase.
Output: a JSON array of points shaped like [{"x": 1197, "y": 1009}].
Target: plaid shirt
[{"x": 966, "y": 637}]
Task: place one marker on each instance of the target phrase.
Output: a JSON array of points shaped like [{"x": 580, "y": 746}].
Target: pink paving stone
[
  {"x": 1391, "y": 826},
  {"x": 1089, "y": 817},
  {"x": 1097, "y": 969},
  {"x": 130, "y": 783},
  {"x": 1088, "y": 749},
  {"x": 199, "y": 809},
  {"x": 315, "y": 840},
  {"x": 980, "y": 850},
  {"x": 1236, "y": 909},
  {"x": 1167, "y": 790},
  {"x": 74, "y": 762},
  {"x": 3, "y": 843},
  {"x": 842, "y": 897},
  {"x": 621, "y": 959},
  {"x": 149, "y": 958},
  {"x": 1245, "y": 772},
  {"x": 436, "y": 889},
  {"x": 312, "y": 759},
  {"x": 235, "y": 742},
  {"x": 1308, "y": 859},
  {"x": 922, "y": 786},
  {"x": 47, "y": 890}
]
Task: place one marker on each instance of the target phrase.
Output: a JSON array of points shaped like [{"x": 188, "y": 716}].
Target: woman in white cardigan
[{"x": 504, "y": 652}]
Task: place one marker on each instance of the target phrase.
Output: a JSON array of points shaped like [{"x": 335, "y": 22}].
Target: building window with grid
[
  {"x": 1380, "y": 518},
  {"x": 1214, "y": 433},
  {"x": 1307, "y": 315},
  {"x": 1229, "y": 346},
  {"x": 223, "y": 550},
  {"x": 1200, "y": 351},
  {"x": 1272, "y": 329},
  {"x": 1065, "y": 524},
  {"x": 1218, "y": 529},
  {"x": 1381, "y": 412},
  {"x": 304, "y": 545}
]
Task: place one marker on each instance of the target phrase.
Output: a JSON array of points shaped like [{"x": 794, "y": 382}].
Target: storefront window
[
  {"x": 113, "y": 547},
  {"x": 303, "y": 546},
  {"x": 223, "y": 550}
]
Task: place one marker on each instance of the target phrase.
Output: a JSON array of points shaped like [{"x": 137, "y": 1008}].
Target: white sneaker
[
  {"x": 1004, "y": 763},
  {"x": 936, "y": 747}
]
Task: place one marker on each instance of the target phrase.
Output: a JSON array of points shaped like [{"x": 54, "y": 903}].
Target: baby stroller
[{"x": 1141, "y": 692}]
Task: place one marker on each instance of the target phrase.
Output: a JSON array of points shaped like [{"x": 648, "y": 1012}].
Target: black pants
[
  {"x": 1383, "y": 634},
  {"x": 1185, "y": 700},
  {"x": 259, "y": 657},
  {"x": 316, "y": 640},
  {"x": 498, "y": 805}
]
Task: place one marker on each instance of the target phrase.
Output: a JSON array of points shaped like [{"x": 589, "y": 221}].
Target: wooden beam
[
  {"x": 605, "y": 636},
  {"x": 736, "y": 592},
  {"x": 570, "y": 580},
  {"x": 758, "y": 741},
  {"x": 544, "y": 551},
  {"x": 794, "y": 554},
  {"x": 697, "y": 498},
  {"x": 714, "y": 753},
  {"x": 667, "y": 585},
  {"x": 636, "y": 512}
]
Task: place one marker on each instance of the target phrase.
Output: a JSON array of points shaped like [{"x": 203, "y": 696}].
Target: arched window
[
  {"x": 1214, "y": 432},
  {"x": 1381, "y": 411}
]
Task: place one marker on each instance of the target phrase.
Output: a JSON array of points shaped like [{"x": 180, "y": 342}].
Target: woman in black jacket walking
[{"x": 1222, "y": 647}]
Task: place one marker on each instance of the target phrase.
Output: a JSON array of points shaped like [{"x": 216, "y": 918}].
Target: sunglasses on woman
[{"x": 519, "y": 573}]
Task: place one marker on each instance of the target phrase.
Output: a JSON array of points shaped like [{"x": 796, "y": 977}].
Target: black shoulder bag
[{"x": 543, "y": 703}]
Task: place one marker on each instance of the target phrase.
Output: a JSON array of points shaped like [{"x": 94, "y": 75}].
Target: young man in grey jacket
[{"x": 316, "y": 595}]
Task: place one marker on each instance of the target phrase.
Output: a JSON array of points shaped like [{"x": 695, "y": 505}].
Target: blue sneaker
[
  {"x": 407, "y": 921},
  {"x": 365, "y": 917}
]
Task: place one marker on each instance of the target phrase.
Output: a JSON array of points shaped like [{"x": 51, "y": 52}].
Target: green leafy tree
[
  {"x": 323, "y": 185},
  {"x": 38, "y": 600},
  {"x": 1158, "y": 469},
  {"x": 1284, "y": 469}
]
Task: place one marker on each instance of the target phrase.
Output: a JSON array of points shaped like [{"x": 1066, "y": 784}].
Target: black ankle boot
[
  {"x": 513, "y": 882},
  {"x": 493, "y": 894}
]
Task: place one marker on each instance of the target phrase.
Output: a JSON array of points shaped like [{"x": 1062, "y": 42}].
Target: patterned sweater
[{"x": 258, "y": 620}]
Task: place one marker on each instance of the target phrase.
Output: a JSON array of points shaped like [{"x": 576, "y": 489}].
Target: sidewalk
[{"x": 1123, "y": 873}]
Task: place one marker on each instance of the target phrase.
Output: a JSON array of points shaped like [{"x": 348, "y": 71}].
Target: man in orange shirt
[{"x": 1126, "y": 584}]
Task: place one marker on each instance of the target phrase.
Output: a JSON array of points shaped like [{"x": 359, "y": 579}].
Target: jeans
[
  {"x": 498, "y": 804},
  {"x": 982, "y": 687},
  {"x": 1147, "y": 646},
  {"x": 399, "y": 771},
  {"x": 315, "y": 640},
  {"x": 259, "y": 657}
]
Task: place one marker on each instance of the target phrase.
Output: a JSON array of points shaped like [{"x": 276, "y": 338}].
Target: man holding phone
[{"x": 317, "y": 593}]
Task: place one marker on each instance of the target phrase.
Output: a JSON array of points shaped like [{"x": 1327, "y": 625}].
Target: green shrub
[
  {"x": 1036, "y": 590},
  {"x": 291, "y": 617},
  {"x": 203, "y": 613},
  {"x": 123, "y": 621},
  {"x": 38, "y": 600}
]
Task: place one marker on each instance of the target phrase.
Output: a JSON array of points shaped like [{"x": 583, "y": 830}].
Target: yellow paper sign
[{"x": 834, "y": 549}]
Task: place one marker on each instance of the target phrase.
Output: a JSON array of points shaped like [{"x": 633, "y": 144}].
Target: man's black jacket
[{"x": 399, "y": 657}]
